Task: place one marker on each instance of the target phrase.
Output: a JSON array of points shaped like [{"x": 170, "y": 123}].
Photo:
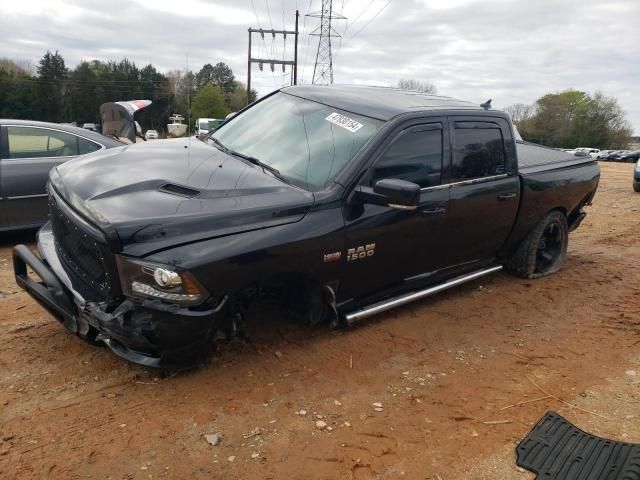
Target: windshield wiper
[
  {"x": 220, "y": 144},
  {"x": 265, "y": 166}
]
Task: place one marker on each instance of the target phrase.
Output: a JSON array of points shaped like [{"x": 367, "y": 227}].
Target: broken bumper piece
[{"x": 149, "y": 333}]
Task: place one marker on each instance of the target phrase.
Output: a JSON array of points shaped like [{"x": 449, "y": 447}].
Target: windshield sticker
[{"x": 344, "y": 122}]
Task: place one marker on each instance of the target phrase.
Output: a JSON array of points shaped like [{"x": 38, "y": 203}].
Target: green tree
[
  {"x": 573, "y": 119},
  {"x": 52, "y": 73},
  {"x": 219, "y": 75},
  {"x": 237, "y": 99},
  {"x": 204, "y": 76},
  {"x": 222, "y": 77},
  {"x": 558, "y": 117},
  {"x": 80, "y": 98},
  {"x": 17, "y": 91},
  {"x": 208, "y": 102}
]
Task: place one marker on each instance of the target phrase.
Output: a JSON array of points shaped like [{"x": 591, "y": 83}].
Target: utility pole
[
  {"x": 323, "y": 68},
  {"x": 273, "y": 61}
]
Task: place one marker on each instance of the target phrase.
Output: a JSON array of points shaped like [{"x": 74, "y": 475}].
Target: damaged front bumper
[{"x": 149, "y": 333}]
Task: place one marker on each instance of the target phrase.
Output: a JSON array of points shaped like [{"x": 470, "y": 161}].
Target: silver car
[{"x": 28, "y": 150}]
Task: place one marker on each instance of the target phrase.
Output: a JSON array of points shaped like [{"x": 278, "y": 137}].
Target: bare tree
[
  {"x": 520, "y": 112},
  {"x": 20, "y": 66},
  {"x": 417, "y": 86}
]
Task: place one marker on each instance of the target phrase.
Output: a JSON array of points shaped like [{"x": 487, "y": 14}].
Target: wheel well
[
  {"x": 288, "y": 287},
  {"x": 562, "y": 210},
  {"x": 303, "y": 294}
]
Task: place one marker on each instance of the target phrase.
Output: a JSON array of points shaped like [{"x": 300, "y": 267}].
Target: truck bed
[
  {"x": 533, "y": 158},
  {"x": 550, "y": 179}
]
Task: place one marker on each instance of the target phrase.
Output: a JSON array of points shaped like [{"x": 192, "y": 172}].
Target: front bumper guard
[
  {"x": 146, "y": 333},
  {"x": 50, "y": 293}
]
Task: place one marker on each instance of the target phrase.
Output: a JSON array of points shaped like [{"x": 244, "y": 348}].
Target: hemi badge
[{"x": 332, "y": 257}]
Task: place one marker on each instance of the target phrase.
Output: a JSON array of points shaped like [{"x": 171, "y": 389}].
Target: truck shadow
[{"x": 10, "y": 239}]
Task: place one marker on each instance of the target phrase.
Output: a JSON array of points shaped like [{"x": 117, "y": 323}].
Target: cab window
[
  {"x": 414, "y": 155},
  {"x": 33, "y": 142},
  {"x": 478, "y": 151}
]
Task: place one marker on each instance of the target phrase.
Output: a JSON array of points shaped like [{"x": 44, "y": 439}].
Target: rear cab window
[{"x": 478, "y": 151}]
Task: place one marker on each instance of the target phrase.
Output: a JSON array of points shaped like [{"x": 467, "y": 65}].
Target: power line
[
  {"x": 359, "y": 15},
  {"x": 270, "y": 60},
  {"x": 255, "y": 12},
  {"x": 350, "y": 24},
  {"x": 372, "y": 19},
  {"x": 273, "y": 43},
  {"x": 364, "y": 26},
  {"x": 269, "y": 13},
  {"x": 306, "y": 48}
]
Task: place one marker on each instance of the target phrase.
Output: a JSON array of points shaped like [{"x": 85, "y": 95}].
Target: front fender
[{"x": 227, "y": 264}]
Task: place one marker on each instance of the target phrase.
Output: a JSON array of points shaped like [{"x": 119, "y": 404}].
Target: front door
[{"x": 386, "y": 247}]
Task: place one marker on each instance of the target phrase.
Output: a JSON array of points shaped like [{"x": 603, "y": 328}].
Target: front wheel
[
  {"x": 636, "y": 186},
  {"x": 544, "y": 250}
]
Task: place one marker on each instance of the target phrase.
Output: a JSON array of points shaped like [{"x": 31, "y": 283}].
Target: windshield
[
  {"x": 307, "y": 142},
  {"x": 204, "y": 124}
]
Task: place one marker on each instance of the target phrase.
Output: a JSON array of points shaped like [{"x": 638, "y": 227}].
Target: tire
[
  {"x": 544, "y": 251},
  {"x": 636, "y": 186}
]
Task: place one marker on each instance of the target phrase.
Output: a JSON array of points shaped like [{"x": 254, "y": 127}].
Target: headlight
[{"x": 161, "y": 282}]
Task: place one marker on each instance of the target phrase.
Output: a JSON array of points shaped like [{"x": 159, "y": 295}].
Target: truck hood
[{"x": 165, "y": 193}]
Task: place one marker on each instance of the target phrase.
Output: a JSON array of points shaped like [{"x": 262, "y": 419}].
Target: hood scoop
[{"x": 179, "y": 190}]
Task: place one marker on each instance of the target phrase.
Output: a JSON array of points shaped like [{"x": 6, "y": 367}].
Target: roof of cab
[{"x": 382, "y": 103}]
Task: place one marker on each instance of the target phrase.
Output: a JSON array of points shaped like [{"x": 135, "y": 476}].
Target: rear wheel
[
  {"x": 545, "y": 249},
  {"x": 636, "y": 186}
]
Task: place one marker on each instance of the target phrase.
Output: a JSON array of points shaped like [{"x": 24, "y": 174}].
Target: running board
[{"x": 388, "y": 304}]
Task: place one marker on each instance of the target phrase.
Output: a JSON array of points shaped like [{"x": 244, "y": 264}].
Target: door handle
[
  {"x": 506, "y": 196},
  {"x": 433, "y": 211}
]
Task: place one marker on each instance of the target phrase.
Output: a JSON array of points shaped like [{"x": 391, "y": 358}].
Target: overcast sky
[{"x": 509, "y": 50}]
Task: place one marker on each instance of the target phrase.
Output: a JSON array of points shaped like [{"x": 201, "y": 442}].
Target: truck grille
[{"x": 90, "y": 264}]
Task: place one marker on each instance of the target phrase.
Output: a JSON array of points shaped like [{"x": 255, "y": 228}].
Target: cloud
[{"x": 508, "y": 50}]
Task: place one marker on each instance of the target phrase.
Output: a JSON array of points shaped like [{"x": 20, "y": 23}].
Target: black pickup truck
[{"x": 342, "y": 201}]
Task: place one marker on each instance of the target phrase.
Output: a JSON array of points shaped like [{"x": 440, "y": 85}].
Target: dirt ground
[{"x": 452, "y": 374}]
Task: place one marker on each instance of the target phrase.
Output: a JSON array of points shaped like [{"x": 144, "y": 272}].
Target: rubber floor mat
[{"x": 557, "y": 450}]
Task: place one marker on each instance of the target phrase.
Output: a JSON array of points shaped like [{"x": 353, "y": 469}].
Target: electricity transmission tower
[{"x": 323, "y": 68}]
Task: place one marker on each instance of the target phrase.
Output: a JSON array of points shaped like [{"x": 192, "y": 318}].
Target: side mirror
[{"x": 391, "y": 192}]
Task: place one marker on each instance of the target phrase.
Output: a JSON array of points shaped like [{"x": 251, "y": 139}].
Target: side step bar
[{"x": 403, "y": 299}]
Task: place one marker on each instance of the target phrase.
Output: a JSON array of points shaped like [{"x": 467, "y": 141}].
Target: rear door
[
  {"x": 29, "y": 154},
  {"x": 484, "y": 188}
]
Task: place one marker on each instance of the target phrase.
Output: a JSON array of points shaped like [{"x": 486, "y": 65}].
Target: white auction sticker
[{"x": 344, "y": 122}]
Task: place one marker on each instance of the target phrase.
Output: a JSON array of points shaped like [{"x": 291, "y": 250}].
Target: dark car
[
  {"x": 630, "y": 156},
  {"x": 636, "y": 177},
  {"x": 618, "y": 156},
  {"x": 341, "y": 201},
  {"x": 28, "y": 150}
]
